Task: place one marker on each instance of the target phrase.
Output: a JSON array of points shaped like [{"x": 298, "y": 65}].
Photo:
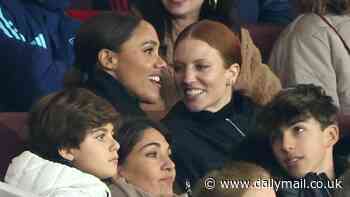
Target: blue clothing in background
[
  {"x": 36, "y": 50},
  {"x": 249, "y": 11},
  {"x": 263, "y": 11}
]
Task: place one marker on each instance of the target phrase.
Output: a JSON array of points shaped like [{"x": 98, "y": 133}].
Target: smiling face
[
  {"x": 139, "y": 64},
  {"x": 148, "y": 165},
  {"x": 200, "y": 72},
  {"x": 304, "y": 147},
  {"x": 97, "y": 154},
  {"x": 181, "y": 8}
]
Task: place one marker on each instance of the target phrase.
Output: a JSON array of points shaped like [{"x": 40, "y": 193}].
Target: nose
[
  {"x": 168, "y": 164},
  {"x": 115, "y": 145},
  {"x": 287, "y": 143},
  {"x": 188, "y": 77},
  {"x": 160, "y": 64}
]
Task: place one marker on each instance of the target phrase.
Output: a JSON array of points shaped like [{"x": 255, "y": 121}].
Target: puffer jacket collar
[{"x": 30, "y": 172}]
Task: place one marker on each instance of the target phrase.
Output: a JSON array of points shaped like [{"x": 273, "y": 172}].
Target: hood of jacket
[
  {"x": 30, "y": 172},
  {"x": 256, "y": 80}
]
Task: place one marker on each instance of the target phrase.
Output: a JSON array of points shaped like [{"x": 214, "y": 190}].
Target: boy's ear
[
  {"x": 108, "y": 59},
  {"x": 66, "y": 153},
  {"x": 331, "y": 135}
]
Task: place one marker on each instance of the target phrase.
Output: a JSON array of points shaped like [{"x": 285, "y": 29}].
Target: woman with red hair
[{"x": 213, "y": 118}]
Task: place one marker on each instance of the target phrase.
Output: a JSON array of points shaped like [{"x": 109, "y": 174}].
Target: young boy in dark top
[{"x": 302, "y": 126}]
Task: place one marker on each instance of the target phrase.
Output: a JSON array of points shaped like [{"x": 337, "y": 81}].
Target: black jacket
[
  {"x": 105, "y": 86},
  {"x": 202, "y": 141},
  {"x": 36, "y": 49}
]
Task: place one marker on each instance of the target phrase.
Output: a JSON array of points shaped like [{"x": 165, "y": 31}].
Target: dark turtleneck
[
  {"x": 232, "y": 107},
  {"x": 203, "y": 141}
]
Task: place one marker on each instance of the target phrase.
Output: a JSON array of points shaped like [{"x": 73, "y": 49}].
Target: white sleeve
[{"x": 70, "y": 193}]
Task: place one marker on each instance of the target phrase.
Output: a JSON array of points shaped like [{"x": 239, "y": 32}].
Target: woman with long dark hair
[{"x": 117, "y": 57}]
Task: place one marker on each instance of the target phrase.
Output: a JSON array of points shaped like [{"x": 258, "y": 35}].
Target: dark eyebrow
[
  {"x": 296, "y": 122},
  {"x": 150, "y": 144},
  {"x": 98, "y": 129}
]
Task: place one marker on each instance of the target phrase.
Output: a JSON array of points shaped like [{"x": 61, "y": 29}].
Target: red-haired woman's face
[
  {"x": 180, "y": 8},
  {"x": 204, "y": 78}
]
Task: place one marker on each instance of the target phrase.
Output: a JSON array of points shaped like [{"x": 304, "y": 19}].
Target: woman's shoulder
[
  {"x": 311, "y": 24},
  {"x": 122, "y": 189},
  {"x": 305, "y": 25},
  {"x": 342, "y": 24},
  {"x": 309, "y": 29}
]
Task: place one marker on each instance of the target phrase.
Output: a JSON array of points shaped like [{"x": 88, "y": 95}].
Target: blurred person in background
[{"x": 37, "y": 41}]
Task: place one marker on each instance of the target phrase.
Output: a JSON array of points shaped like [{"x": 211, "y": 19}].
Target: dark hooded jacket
[
  {"x": 36, "y": 50},
  {"x": 104, "y": 85}
]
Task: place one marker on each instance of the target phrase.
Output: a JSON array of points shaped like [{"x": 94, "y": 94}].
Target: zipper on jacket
[{"x": 235, "y": 126}]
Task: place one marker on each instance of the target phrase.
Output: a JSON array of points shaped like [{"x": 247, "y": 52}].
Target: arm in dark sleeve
[{"x": 28, "y": 72}]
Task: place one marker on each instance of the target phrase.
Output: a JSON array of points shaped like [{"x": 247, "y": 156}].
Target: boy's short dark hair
[
  {"x": 63, "y": 119},
  {"x": 296, "y": 104}
]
